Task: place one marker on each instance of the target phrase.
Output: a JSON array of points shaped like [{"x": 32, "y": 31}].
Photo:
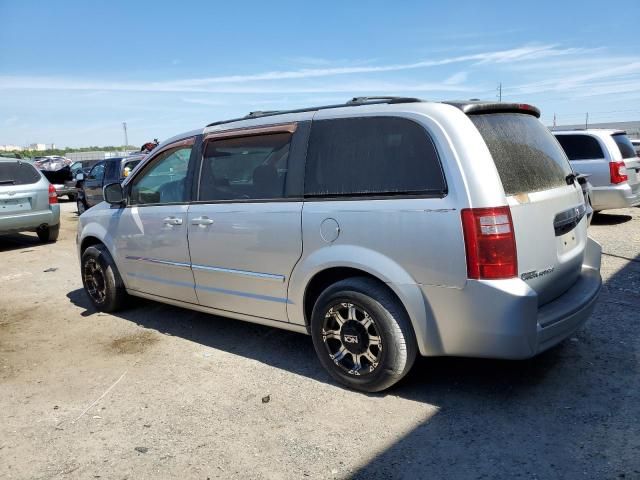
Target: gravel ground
[{"x": 160, "y": 392}]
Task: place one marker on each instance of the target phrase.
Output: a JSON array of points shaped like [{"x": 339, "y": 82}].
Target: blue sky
[{"x": 72, "y": 71}]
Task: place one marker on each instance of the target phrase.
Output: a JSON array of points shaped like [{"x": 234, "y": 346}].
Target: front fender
[
  {"x": 95, "y": 223},
  {"x": 377, "y": 265}
]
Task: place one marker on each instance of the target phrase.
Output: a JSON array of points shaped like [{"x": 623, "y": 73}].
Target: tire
[
  {"x": 376, "y": 330},
  {"x": 81, "y": 206},
  {"x": 49, "y": 233},
  {"x": 101, "y": 279}
]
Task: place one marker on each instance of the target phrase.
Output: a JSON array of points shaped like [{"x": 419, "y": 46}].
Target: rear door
[
  {"x": 547, "y": 207},
  {"x": 245, "y": 229}
]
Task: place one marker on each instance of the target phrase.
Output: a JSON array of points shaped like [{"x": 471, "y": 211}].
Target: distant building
[
  {"x": 38, "y": 147},
  {"x": 10, "y": 148},
  {"x": 95, "y": 155}
]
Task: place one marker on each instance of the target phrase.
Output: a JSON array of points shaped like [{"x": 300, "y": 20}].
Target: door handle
[
  {"x": 201, "y": 221},
  {"x": 172, "y": 221}
]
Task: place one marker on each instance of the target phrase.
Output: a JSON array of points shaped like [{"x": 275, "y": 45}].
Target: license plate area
[
  {"x": 567, "y": 242},
  {"x": 13, "y": 205}
]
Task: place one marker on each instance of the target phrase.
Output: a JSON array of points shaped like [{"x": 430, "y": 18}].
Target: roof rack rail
[
  {"x": 262, "y": 113},
  {"x": 374, "y": 100},
  {"x": 354, "y": 102}
]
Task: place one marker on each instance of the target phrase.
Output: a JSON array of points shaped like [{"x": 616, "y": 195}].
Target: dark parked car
[{"x": 102, "y": 173}]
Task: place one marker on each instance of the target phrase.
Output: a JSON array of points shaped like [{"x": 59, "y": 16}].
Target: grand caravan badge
[{"x": 536, "y": 273}]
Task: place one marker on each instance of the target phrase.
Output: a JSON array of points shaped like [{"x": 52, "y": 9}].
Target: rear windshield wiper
[{"x": 570, "y": 179}]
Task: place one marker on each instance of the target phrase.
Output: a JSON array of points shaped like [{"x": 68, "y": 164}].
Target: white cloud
[
  {"x": 585, "y": 80},
  {"x": 230, "y": 83}
]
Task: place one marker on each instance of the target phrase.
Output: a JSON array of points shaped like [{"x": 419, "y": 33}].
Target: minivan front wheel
[
  {"x": 101, "y": 279},
  {"x": 362, "y": 334}
]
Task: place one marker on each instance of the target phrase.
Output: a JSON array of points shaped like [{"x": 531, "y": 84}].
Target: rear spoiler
[{"x": 479, "y": 108}]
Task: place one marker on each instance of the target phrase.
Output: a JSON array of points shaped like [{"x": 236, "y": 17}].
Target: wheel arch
[
  {"x": 332, "y": 264},
  {"x": 89, "y": 241}
]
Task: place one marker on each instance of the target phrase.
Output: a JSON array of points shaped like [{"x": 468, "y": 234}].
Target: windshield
[{"x": 526, "y": 154}]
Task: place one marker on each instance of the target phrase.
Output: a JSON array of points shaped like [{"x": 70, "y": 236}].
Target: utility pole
[
  {"x": 500, "y": 91},
  {"x": 554, "y": 119},
  {"x": 586, "y": 121},
  {"x": 126, "y": 139}
]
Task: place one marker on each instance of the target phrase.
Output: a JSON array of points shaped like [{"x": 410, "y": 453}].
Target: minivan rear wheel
[
  {"x": 362, "y": 334},
  {"x": 101, "y": 279}
]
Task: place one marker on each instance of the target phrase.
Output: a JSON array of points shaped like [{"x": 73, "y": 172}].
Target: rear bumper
[
  {"x": 501, "y": 318},
  {"x": 559, "y": 319},
  {"x": 615, "y": 196},
  {"x": 30, "y": 220}
]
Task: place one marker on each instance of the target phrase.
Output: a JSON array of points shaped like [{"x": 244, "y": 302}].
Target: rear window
[
  {"x": 580, "y": 147},
  {"x": 18, "y": 173},
  {"x": 371, "y": 156},
  {"x": 624, "y": 144},
  {"x": 525, "y": 153}
]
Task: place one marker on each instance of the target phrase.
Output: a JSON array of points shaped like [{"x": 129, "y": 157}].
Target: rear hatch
[
  {"x": 547, "y": 205},
  {"x": 20, "y": 189},
  {"x": 59, "y": 176},
  {"x": 630, "y": 159}
]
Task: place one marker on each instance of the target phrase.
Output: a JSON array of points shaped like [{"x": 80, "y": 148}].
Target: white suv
[
  {"x": 384, "y": 228},
  {"x": 610, "y": 160}
]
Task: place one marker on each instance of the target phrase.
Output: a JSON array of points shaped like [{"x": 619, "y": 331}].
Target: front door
[
  {"x": 151, "y": 241},
  {"x": 244, "y": 230},
  {"x": 93, "y": 185}
]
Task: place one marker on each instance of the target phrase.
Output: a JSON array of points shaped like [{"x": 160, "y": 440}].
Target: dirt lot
[{"x": 160, "y": 392}]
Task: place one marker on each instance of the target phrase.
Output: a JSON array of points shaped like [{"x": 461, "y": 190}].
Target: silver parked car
[
  {"x": 28, "y": 202},
  {"x": 611, "y": 162},
  {"x": 383, "y": 227}
]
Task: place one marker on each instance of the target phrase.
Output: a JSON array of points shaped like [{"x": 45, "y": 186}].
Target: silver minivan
[
  {"x": 610, "y": 160},
  {"x": 384, "y": 227}
]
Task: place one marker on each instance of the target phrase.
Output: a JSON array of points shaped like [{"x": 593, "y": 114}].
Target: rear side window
[
  {"x": 580, "y": 147},
  {"x": 128, "y": 167},
  {"x": 624, "y": 144},
  {"x": 525, "y": 153},
  {"x": 18, "y": 173},
  {"x": 371, "y": 156},
  {"x": 250, "y": 167}
]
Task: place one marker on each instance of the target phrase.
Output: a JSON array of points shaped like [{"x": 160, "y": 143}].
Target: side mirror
[
  {"x": 79, "y": 176},
  {"x": 114, "y": 194}
]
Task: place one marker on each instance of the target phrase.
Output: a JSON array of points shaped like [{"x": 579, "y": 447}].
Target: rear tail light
[
  {"x": 53, "y": 196},
  {"x": 618, "y": 172},
  {"x": 490, "y": 243}
]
